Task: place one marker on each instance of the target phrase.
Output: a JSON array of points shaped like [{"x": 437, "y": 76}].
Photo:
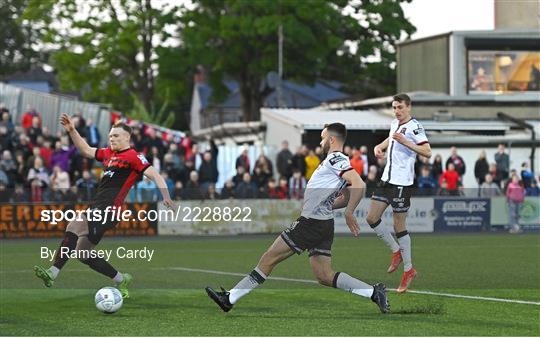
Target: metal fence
[{"x": 51, "y": 106}]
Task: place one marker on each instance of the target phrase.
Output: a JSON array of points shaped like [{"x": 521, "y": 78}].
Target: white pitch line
[
  {"x": 450, "y": 295},
  {"x": 216, "y": 272}
]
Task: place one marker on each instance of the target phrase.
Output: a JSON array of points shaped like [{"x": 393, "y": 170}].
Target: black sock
[
  {"x": 402, "y": 233},
  {"x": 70, "y": 242},
  {"x": 100, "y": 265}
]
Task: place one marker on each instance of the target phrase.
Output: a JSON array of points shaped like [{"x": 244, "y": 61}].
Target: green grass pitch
[{"x": 170, "y": 301}]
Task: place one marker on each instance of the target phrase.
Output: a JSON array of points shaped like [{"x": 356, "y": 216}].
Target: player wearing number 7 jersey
[{"x": 407, "y": 139}]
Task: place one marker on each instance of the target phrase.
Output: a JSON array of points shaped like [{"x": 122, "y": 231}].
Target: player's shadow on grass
[
  {"x": 270, "y": 312},
  {"x": 428, "y": 309},
  {"x": 279, "y": 316}
]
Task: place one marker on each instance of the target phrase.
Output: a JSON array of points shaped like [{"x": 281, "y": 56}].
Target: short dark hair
[
  {"x": 123, "y": 126},
  {"x": 338, "y": 129},
  {"x": 402, "y": 97}
]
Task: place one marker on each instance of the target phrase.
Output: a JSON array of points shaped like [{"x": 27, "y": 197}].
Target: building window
[{"x": 499, "y": 72}]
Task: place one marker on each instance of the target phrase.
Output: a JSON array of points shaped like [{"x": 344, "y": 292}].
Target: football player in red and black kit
[{"x": 122, "y": 168}]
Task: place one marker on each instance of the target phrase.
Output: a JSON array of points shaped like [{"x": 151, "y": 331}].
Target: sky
[{"x": 432, "y": 17}]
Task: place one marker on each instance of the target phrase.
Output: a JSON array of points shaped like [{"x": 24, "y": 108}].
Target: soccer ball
[{"x": 108, "y": 300}]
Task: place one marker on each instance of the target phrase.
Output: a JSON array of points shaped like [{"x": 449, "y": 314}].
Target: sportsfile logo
[
  {"x": 462, "y": 206},
  {"x": 118, "y": 214}
]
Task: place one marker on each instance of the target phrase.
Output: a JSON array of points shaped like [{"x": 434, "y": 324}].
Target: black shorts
[
  {"x": 310, "y": 234},
  {"x": 96, "y": 229},
  {"x": 398, "y": 196}
]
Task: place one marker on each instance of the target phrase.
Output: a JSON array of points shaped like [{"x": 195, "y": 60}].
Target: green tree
[
  {"x": 16, "y": 39},
  {"x": 160, "y": 117},
  {"x": 323, "y": 39},
  {"x": 112, "y": 51}
]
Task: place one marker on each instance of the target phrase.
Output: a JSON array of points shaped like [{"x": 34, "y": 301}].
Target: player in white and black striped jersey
[
  {"x": 406, "y": 139},
  {"x": 333, "y": 185}
]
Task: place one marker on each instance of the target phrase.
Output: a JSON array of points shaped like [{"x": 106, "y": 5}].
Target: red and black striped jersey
[{"x": 121, "y": 169}]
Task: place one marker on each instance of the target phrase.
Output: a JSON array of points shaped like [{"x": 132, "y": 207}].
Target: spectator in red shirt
[
  {"x": 46, "y": 152},
  {"x": 186, "y": 147},
  {"x": 451, "y": 177},
  {"x": 284, "y": 186},
  {"x": 26, "y": 119},
  {"x": 357, "y": 163},
  {"x": 274, "y": 192}
]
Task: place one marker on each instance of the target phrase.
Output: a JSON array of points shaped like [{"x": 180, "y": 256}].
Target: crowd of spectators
[
  {"x": 37, "y": 166},
  {"x": 492, "y": 178}
]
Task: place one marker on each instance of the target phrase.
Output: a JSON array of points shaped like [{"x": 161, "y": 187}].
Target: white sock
[
  {"x": 405, "y": 246},
  {"x": 384, "y": 234},
  {"x": 118, "y": 278},
  {"x": 246, "y": 285},
  {"x": 353, "y": 285},
  {"x": 54, "y": 271}
]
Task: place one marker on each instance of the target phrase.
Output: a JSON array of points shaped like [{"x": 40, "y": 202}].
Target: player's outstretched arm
[
  {"x": 381, "y": 147},
  {"x": 420, "y": 149},
  {"x": 356, "y": 191},
  {"x": 153, "y": 174},
  {"x": 78, "y": 141}
]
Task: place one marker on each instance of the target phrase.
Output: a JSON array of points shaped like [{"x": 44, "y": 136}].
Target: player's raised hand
[
  {"x": 378, "y": 152},
  {"x": 352, "y": 223},
  {"x": 66, "y": 122}
]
